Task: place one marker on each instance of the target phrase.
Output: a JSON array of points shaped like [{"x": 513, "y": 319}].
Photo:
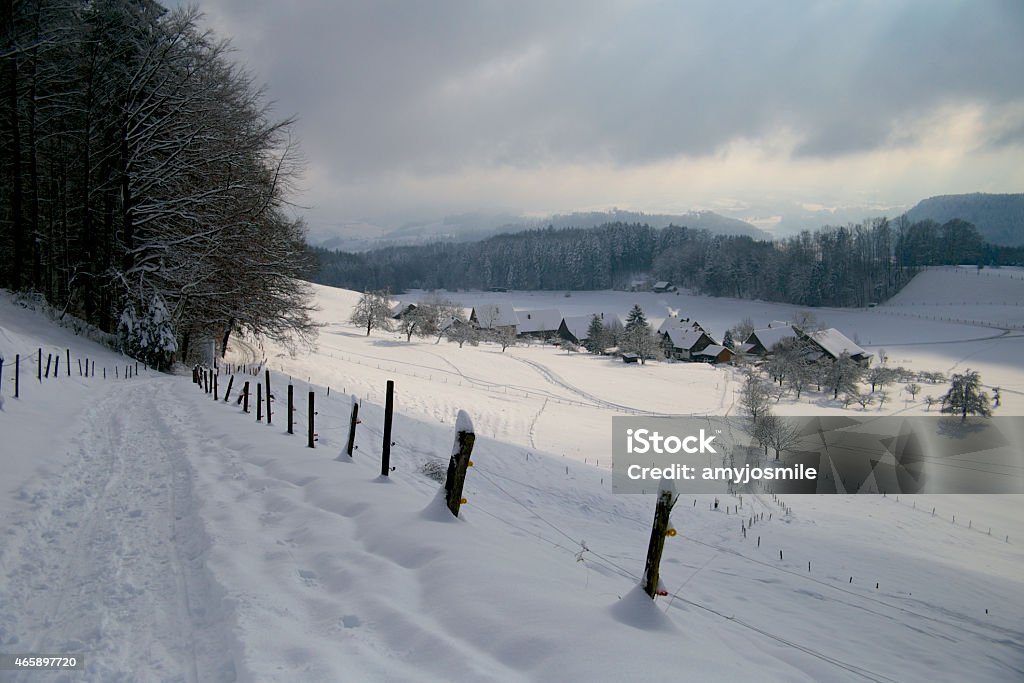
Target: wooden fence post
[
  {"x": 312, "y": 412},
  {"x": 1, "y": 373},
  {"x": 268, "y": 397},
  {"x": 49, "y": 359},
  {"x": 659, "y": 530},
  {"x": 461, "y": 450},
  {"x": 291, "y": 407},
  {"x": 17, "y": 373},
  {"x": 352, "y": 427},
  {"x": 39, "y": 365},
  {"x": 79, "y": 367},
  {"x": 68, "y": 359},
  {"x": 92, "y": 373},
  {"x": 227, "y": 394},
  {"x": 245, "y": 398},
  {"x": 56, "y": 366},
  {"x": 389, "y": 407},
  {"x": 216, "y": 394},
  {"x": 259, "y": 402}
]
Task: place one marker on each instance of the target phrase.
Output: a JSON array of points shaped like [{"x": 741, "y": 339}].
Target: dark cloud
[{"x": 423, "y": 88}]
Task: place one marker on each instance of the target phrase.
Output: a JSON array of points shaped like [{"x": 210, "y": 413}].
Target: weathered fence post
[
  {"x": 216, "y": 394},
  {"x": 1, "y": 373},
  {"x": 259, "y": 402},
  {"x": 389, "y": 408},
  {"x": 312, "y": 412},
  {"x": 352, "y": 427},
  {"x": 245, "y": 398},
  {"x": 659, "y": 530},
  {"x": 291, "y": 407},
  {"x": 461, "y": 450},
  {"x": 56, "y": 366},
  {"x": 39, "y": 365},
  {"x": 17, "y": 373},
  {"x": 49, "y": 359},
  {"x": 68, "y": 358},
  {"x": 79, "y": 367},
  {"x": 268, "y": 396},
  {"x": 92, "y": 373},
  {"x": 227, "y": 394}
]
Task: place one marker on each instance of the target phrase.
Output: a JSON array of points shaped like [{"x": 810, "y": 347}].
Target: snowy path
[{"x": 108, "y": 558}]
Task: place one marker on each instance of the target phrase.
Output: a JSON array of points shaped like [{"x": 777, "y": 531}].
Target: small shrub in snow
[
  {"x": 149, "y": 335},
  {"x": 434, "y": 469}
]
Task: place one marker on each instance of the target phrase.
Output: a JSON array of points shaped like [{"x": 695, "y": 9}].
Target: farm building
[
  {"x": 539, "y": 323},
  {"x": 662, "y": 286},
  {"x": 680, "y": 323},
  {"x": 495, "y": 317},
  {"x": 684, "y": 343},
  {"x": 574, "y": 328},
  {"x": 714, "y": 353},
  {"x": 834, "y": 343},
  {"x": 760, "y": 342},
  {"x": 400, "y": 310}
]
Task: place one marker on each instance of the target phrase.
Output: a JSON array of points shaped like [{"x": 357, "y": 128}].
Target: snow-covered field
[{"x": 165, "y": 536}]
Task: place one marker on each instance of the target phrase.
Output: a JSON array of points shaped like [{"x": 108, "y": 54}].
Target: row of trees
[
  {"x": 144, "y": 180},
  {"x": 835, "y": 266},
  {"x": 965, "y": 397}
]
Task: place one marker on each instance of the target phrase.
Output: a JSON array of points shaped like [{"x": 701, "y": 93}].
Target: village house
[
  {"x": 574, "y": 328},
  {"x": 400, "y": 310},
  {"x": 684, "y": 343},
  {"x": 539, "y": 323},
  {"x": 834, "y": 343},
  {"x": 714, "y": 353},
  {"x": 495, "y": 317},
  {"x": 828, "y": 344},
  {"x": 760, "y": 342}
]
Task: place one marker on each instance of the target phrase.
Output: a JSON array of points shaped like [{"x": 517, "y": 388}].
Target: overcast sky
[{"x": 414, "y": 110}]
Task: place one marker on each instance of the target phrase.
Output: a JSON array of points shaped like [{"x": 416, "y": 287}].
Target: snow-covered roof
[
  {"x": 836, "y": 343},
  {"x": 399, "y": 309},
  {"x": 579, "y": 324},
  {"x": 770, "y": 336},
  {"x": 539, "y": 320},
  {"x": 678, "y": 324},
  {"x": 662, "y": 284},
  {"x": 684, "y": 338},
  {"x": 712, "y": 350},
  {"x": 495, "y": 315},
  {"x": 744, "y": 348}
]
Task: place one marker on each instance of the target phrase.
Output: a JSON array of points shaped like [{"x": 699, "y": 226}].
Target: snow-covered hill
[{"x": 166, "y": 536}]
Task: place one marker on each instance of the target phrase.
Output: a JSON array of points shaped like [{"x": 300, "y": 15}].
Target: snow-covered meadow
[{"x": 166, "y": 536}]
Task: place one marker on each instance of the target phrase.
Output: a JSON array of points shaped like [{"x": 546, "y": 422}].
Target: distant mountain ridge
[
  {"x": 998, "y": 217},
  {"x": 474, "y": 227}
]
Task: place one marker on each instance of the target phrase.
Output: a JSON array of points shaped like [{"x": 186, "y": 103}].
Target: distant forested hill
[{"x": 998, "y": 217}]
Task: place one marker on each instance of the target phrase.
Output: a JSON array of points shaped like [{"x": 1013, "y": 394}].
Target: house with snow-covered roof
[
  {"x": 834, "y": 343},
  {"x": 679, "y": 323},
  {"x": 760, "y": 342},
  {"x": 496, "y": 317},
  {"x": 574, "y": 328},
  {"x": 684, "y": 343},
  {"x": 714, "y": 353},
  {"x": 540, "y": 323}
]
